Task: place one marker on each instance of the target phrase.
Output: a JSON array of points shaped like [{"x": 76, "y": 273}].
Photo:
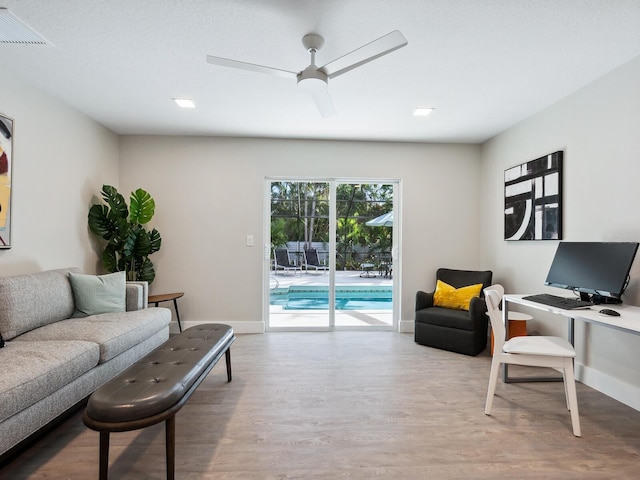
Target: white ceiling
[{"x": 484, "y": 65}]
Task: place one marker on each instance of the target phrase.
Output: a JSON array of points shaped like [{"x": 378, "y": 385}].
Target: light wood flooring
[{"x": 357, "y": 405}]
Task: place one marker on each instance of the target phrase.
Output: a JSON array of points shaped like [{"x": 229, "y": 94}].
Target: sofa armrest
[
  {"x": 424, "y": 300},
  {"x": 137, "y": 296}
]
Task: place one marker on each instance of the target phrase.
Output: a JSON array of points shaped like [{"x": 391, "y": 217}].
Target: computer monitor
[{"x": 598, "y": 270}]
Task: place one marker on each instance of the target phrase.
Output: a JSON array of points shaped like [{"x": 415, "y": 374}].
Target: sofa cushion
[
  {"x": 113, "y": 332},
  {"x": 33, "y": 300},
  {"x": 446, "y": 317},
  {"x": 96, "y": 294},
  {"x": 33, "y": 370}
]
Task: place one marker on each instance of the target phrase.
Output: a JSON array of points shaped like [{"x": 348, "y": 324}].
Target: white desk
[{"x": 628, "y": 321}]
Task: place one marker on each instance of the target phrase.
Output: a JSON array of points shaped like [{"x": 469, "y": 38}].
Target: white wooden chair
[{"x": 538, "y": 351}]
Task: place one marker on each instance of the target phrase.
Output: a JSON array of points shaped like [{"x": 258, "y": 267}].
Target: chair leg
[
  {"x": 572, "y": 397},
  {"x": 566, "y": 392},
  {"x": 493, "y": 380}
]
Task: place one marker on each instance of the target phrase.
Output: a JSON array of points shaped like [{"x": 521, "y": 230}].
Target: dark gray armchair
[{"x": 458, "y": 331}]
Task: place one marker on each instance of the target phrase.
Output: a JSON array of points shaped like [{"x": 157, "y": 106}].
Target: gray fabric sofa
[{"x": 51, "y": 361}]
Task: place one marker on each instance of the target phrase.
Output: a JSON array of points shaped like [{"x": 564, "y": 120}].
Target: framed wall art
[
  {"x": 6, "y": 163},
  {"x": 533, "y": 199}
]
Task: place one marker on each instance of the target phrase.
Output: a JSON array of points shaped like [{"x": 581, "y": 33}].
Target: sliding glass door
[{"x": 330, "y": 258}]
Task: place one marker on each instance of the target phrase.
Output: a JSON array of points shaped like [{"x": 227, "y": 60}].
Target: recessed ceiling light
[
  {"x": 185, "y": 102},
  {"x": 422, "y": 111}
]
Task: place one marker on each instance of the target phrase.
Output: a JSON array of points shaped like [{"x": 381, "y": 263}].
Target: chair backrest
[
  {"x": 281, "y": 256},
  {"x": 463, "y": 278},
  {"x": 311, "y": 257},
  {"x": 493, "y": 296}
]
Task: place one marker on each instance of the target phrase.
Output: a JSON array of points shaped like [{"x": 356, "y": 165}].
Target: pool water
[{"x": 317, "y": 298}]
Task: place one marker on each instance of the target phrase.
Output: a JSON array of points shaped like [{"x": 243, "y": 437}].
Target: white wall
[
  {"x": 599, "y": 130},
  {"x": 61, "y": 159},
  {"x": 209, "y": 195}
]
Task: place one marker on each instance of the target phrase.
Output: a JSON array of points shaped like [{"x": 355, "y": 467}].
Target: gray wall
[
  {"x": 61, "y": 159},
  {"x": 209, "y": 195}
]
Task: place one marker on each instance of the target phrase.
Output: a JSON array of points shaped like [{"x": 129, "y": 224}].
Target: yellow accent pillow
[{"x": 457, "y": 298}]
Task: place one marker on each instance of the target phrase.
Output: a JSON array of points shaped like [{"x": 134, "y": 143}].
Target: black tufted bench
[{"x": 156, "y": 387}]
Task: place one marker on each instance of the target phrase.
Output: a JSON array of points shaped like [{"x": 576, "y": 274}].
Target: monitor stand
[{"x": 598, "y": 299}]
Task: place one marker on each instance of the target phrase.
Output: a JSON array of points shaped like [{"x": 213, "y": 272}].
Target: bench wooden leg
[
  {"x": 227, "y": 356},
  {"x": 104, "y": 455},
  {"x": 170, "y": 444}
]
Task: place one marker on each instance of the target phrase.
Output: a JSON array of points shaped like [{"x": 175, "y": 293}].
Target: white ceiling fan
[{"x": 314, "y": 79}]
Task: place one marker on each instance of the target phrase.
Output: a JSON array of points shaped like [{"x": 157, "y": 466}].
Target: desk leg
[
  {"x": 175, "y": 305},
  {"x": 505, "y": 315},
  {"x": 505, "y": 367},
  {"x": 571, "y": 332}
]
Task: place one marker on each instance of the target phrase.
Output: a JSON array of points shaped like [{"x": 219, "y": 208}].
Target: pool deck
[{"x": 300, "y": 319}]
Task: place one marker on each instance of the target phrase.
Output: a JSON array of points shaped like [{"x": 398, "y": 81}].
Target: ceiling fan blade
[
  {"x": 252, "y": 67},
  {"x": 324, "y": 103},
  {"x": 375, "y": 49}
]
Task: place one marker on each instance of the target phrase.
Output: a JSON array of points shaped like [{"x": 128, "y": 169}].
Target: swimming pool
[{"x": 317, "y": 298}]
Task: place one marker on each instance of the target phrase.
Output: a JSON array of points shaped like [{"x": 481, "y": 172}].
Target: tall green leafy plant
[{"x": 129, "y": 244}]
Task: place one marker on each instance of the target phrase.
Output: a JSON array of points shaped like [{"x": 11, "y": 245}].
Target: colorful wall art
[{"x": 6, "y": 162}]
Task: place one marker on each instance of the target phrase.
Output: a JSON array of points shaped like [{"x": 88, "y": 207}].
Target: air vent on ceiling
[{"x": 13, "y": 30}]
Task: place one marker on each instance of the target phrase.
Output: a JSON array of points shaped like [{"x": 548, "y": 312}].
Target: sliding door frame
[{"x": 395, "y": 250}]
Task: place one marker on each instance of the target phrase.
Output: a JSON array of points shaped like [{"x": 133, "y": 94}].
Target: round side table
[{"x": 517, "y": 326}]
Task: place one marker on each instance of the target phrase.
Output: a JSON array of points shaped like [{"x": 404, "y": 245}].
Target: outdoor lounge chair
[
  {"x": 311, "y": 260},
  {"x": 282, "y": 261}
]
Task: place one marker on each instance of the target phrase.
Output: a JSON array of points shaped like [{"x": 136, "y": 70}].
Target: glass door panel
[
  {"x": 364, "y": 242},
  {"x": 299, "y": 294}
]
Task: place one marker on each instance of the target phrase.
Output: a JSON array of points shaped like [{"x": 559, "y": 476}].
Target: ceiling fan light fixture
[
  {"x": 311, "y": 80},
  {"x": 422, "y": 111},
  {"x": 185, "y": 102}
]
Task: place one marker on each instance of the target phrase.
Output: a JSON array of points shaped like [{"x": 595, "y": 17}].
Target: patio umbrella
[{"x": 385, "y": 220}]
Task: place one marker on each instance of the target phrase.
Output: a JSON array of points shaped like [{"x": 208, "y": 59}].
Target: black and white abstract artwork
[{"x": 533, "y": 199}]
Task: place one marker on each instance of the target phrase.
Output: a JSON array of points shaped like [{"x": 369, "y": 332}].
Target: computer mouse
[{"x": 607, "y": 311}]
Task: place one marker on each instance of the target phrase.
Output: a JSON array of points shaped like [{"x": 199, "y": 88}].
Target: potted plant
[{"x": 128, "y": 243}]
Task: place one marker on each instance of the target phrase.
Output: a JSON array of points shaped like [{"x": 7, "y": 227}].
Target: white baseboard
[
  {"x": 406, "y": 326},
  {"x": 622, "y": 391},
  {"x": 238, "y": 326}
]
